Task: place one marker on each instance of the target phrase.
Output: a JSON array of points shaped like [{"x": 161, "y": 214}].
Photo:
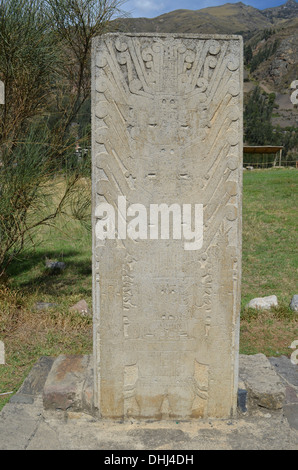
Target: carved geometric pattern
[{"x": 167, "y": 128}]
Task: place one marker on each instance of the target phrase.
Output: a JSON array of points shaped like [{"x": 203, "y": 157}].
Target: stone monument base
[{"x": 66, "y": 383}]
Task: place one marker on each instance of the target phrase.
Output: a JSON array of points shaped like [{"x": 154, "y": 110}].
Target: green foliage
[
  {"x": 45, "y": 49},
  {"x": 75, "y": 23},
  {"x": 258, "y": 128},
  {"x": 270, "y": 254},
  {"x": 263, "y": 54},
  {"x": 247, "y": 54},
  {"x": 28, "y": 198},
  {"x": 257, "y": 118},
  {"x": 267, "y": 33},
  {"x": 28, "y": 61}
]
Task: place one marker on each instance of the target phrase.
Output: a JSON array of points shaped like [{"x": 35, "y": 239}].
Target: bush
[{"x": 45, "y": 48}]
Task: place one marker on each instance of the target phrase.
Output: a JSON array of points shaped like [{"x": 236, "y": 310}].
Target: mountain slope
[
  {"x": 281, "y": 68},
  {"x": 231, "y": 18},
  {"x": 284, "y": 12}
]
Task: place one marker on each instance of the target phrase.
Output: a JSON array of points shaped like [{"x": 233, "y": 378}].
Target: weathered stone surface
[
  {"x": 45, "y": 305},
  {"x": 69, "y": 385},
  {"x": 284, "y": 368},
  {"x": 81, "y": 307},
  {"x": 55, "y": 266},
  {"x": 294, "y": 303},
  {"x": 27, "y": 425},
  {"x": 291, "y": 413},
  {"x": 288, "y": 373},
  {"x": 34, "y": 383},
  {"x": 264, "y": 387},
  {"x": 263, "y": 303},
  {"x": 258, "y": 386},
  {"x": 167, "y": 129},
  {"x": 2, "y": 93}
]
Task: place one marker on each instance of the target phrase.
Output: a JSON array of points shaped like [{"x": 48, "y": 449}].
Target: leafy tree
[
  {"x": 77, "y": 22},
  {"x": 264, "y": 54},
  {"x": 248, "y": 54},
  {"x": 28, "y": 61},
  {"x": 45, "y": 48},
  {"x": 267, "y": 33},
  {"x": 257, "y": 118},
  {"x": 258, "y": 128}
]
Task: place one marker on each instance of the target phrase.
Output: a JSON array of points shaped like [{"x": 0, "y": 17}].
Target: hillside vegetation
[{"x": 231, "y": 18}]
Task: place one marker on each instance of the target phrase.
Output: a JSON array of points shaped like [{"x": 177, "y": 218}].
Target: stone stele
[{"x": 166, "y": 129}]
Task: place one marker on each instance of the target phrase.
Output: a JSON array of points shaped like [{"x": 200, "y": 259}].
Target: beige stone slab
[{"x": 167, "y": 129}]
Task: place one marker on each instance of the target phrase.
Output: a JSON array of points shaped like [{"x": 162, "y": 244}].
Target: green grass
[
  {"x": 29, "y": 334},
  {"x": 270, "y": 255},
  {"x": 270, "y": 262}
]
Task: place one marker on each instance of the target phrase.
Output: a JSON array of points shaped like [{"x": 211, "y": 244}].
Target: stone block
[
  {"x": 264, "y": 387},
  {"x": 263, "y": 303},
  {"x": 294, "y": 303},
  {"x": 69, "y": 385},
  {"x": 81, "y": 307}
]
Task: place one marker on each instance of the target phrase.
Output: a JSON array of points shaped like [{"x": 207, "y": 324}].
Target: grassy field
[
  {"x": 270, "y": 263},
  {"x": 270, "y": 260}
]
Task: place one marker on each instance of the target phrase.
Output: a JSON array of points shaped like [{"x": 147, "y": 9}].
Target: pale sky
[{"x": 153, "y": 8}]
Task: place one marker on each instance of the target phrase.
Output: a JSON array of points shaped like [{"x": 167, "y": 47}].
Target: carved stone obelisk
[{"x": 167, "y": 149}]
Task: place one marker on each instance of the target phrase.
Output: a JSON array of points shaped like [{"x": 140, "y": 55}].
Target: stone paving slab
[
  {"x": 285, "y": 369},
  {"x": 33, "y": 385},
  {"x": 28, "y": 427},
  {"x": 289, "y": 376}
]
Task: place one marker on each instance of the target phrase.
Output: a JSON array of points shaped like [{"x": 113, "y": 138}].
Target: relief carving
[{"x": 167, "y": 128}]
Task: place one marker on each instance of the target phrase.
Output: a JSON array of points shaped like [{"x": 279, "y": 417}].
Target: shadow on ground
[{"x": 29, "y": 272}]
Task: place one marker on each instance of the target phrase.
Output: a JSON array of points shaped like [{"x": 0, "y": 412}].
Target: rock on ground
[
  {"x": 263, "y": 303},
  {"x": 264, "y": 387},
  {"x": 81, "y": 307},
  {"x": 294, "y": 303}
]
